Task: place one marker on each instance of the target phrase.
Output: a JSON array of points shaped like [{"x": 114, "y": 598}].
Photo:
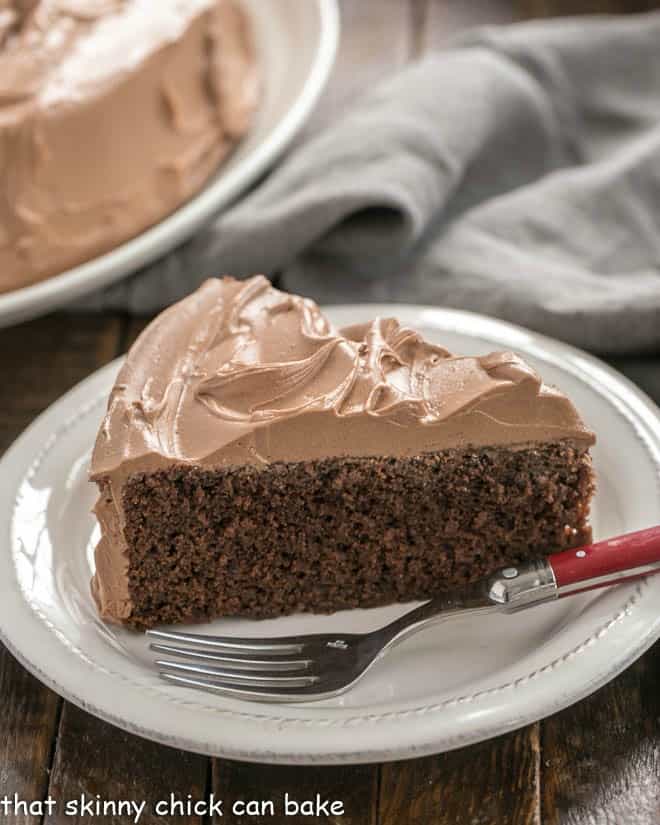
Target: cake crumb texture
[{"x": 321, "y": 536}]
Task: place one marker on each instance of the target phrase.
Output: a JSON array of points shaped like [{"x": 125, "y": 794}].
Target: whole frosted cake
[
  {"x": 256, "y": 461},
  {"x": 112, "y": 114}
]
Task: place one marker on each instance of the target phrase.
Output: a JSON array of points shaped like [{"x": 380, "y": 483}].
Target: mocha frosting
[
  {"x": 112, "y": 114},
  {"x": 239, "y": 372}
]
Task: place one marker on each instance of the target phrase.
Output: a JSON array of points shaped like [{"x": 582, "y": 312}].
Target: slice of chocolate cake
[{"x": 255, "y": 461}]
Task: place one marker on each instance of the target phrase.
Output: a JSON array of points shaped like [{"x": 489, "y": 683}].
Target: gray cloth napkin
[{"x": 515, "y": 173}]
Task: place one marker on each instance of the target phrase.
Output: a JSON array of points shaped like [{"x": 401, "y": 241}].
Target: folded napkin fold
[{"x": 515, "y": 173}]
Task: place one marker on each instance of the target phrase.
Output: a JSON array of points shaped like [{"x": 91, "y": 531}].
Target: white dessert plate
[
  {"x": 456, "y": 683},
  {"x": 296, "y": 44}
]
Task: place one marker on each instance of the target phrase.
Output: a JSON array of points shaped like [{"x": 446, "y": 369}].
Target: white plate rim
[
  {"x": 44, "y": 296},
  {"x": 413, "y": 739}
]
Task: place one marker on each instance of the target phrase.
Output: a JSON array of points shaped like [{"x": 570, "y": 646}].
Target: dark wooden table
[{"x": 597, "y": 762}]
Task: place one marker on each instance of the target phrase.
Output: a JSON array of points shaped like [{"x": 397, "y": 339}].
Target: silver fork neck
[{"x": 514, "y": 588}]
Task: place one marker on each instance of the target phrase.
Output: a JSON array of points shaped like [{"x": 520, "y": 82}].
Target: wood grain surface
[
  {"x": 597, "y": 763},
  {"x": 95, "y": 762},
  {"x": 498, "y": 782},
  {"x": 354, "y": 786}
]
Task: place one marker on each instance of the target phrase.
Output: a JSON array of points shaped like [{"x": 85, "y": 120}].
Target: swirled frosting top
[
  {"x": 239, "y": 372},
  {"x": 63, "y": 50},
  {"x": 112, "y": 114}
]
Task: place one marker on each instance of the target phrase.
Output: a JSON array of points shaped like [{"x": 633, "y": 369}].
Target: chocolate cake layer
[
  {"x": 256, "y": 461},
  {"x": 342, "y": 533}
]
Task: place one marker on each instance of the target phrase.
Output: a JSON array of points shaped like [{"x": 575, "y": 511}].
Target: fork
[{"x": 311, "y": 667}]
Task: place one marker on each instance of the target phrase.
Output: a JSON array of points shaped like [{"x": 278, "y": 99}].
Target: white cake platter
[
  {"x": 459, "y": 682},
  {"x": 296, "y": 45}
]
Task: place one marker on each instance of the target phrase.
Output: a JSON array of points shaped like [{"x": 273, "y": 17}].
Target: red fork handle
[{"x": 607, "y": 562}]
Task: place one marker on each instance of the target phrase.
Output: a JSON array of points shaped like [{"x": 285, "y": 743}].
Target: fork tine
[
  {"x": 262, "y": 679},
  {"x": 231, "y": 644},
  {"x": 305, "y": 694},
  {"x": 235, "y": 662}
]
